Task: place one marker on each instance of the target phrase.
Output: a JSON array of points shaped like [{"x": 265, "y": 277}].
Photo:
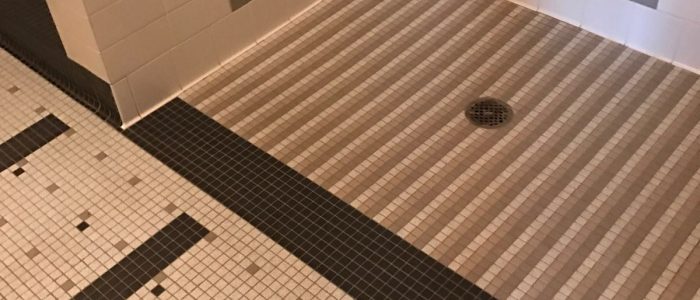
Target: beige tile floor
[
  {"x": 125, "y": 196},
  {"x": 591, "y": 191}
]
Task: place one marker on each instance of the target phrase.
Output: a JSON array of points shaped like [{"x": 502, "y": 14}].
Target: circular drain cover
[{"x": 489, "y": 113}]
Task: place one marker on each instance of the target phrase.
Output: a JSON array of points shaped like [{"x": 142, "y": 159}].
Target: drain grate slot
[{"x": 489, "y": 113}]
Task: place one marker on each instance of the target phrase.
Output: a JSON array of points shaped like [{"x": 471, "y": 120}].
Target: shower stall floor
[{"x": 590, "y": 190}]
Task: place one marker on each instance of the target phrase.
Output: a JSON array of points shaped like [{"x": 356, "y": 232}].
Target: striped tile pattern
[{"x": 591, "y": 191}]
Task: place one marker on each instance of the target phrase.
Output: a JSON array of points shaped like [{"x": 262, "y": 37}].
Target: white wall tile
[
  {"x": 687, "y": 9},
  {"x": 92, "y": 6},
  {"x": 123, "y": 18},
  {"x": 609, "y": 18},
  {"x": 191, "y": 18},
  {"x": 125, "y": 101},
  {"x": 76, "y": 7},
  {"x": 196, "y": 56},
  {"x": 138, "y": 49},
  {"x": 154, "y": 83},
  {"x": 233, "y": 33},
  {"x": 570, "y": 11},
  {"x": 173, "y": 4},
  {"x": 73, "y": 27},
  {"x": 654, "y": 32},
  {"x": 688, "y": 53}
]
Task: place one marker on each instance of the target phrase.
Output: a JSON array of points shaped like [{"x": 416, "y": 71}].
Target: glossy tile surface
[{"x": 591, "y": 191}]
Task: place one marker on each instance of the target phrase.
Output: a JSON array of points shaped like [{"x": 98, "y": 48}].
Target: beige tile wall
[
  {"x": 149, "y": 50},
  {"x": 670, "y": 32}
]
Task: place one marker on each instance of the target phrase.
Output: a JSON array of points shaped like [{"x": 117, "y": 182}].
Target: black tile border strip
[
  {"x": 30, "y": 139},
  {"x": 146, "y": 261},
  {"x": 351, "y": 250}
]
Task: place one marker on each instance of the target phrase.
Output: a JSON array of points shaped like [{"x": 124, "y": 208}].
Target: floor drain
[{"x": 489, "y": 113}]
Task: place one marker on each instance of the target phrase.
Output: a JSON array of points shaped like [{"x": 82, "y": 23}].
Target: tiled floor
[
  {"x": 590, "y": 191},
  {"x": 86, "y": 200}
]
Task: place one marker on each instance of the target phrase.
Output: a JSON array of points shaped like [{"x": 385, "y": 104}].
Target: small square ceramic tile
[
  {"x": 85, "y": 215},
  {"x": 134, "y": 181},
  {"x": 82, "y": 226},
  {"x": 158, "y": 290},
  {"x": 32, "y": 253},
  {"x": 52, "y": 188},
  {"x": 18, "y": 172},
  {"x": 67, "y": 285},
  {"x": 121, "y": 245},
  {"x": 170, "y": 208}
]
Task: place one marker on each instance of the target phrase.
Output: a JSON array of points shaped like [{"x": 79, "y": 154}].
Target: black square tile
[
  {"x": 18, "y": 172},
  {"x": 158, "y": 290},
  {"x": 82, "y": 226}
]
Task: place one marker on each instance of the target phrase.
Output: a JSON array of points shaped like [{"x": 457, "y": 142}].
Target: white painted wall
[
  {"x": 150, "y": 50},
  {"x": 670, "y": 32}
]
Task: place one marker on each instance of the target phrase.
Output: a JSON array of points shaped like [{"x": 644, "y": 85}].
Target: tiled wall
[
  {"x": 149, "y": 50},
  {"x": 670, "y": 32}
]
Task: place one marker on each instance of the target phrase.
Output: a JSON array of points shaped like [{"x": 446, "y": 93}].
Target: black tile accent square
[
  {"x": 2, "y": 222},
  {"x": 158, "y": 290},
  {"x": 146, "y": 261},
  {"x": 13, "y": 89},
  {"x": 82, "y": 226},
  {"x": 29, "y": 140},
  {"x": 18, "y": 172},
  {"x": 351, "y": 250}
]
